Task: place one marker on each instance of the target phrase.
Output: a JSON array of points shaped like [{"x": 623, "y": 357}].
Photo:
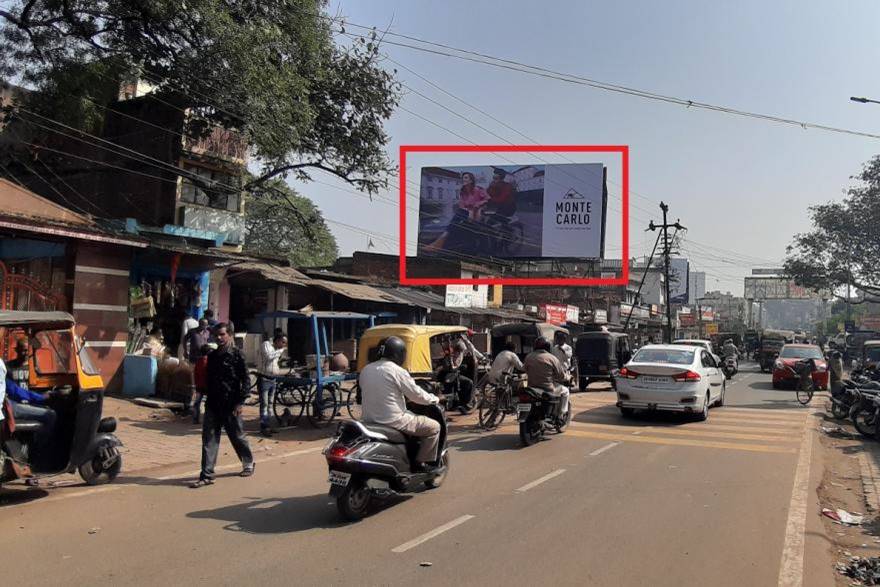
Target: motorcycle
[
  {"x": 865, "y": 412},
  {"x": 371, "y": 461},
  {"x": 729, "y": 367},
  {"x": 843, "y": 400},
  {"x": 537, "y": 412}
]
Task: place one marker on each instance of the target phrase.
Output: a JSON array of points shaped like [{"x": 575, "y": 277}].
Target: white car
[
  {"x": 671, "y": 377},
  {"x": 706, "y": 344}
]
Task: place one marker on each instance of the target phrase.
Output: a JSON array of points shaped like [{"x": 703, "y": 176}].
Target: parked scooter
[
  {"x": 371, "y": 461},
  {"x": 537, "y": 412}
]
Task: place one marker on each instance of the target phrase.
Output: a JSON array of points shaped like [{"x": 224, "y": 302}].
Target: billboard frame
[{"x": 623, "y": 150}]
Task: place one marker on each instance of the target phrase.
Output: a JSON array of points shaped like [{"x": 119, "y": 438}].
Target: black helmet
[
  {"x": 542, "y": 343},
  {"x": 393, "y": 349}
]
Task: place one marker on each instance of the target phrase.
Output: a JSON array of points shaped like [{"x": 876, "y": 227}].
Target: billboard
[
  {"x": 777, "y": 288},
  {"x": 513, "y": 211},
  {"x": 466, "y": 296},
  {"x": 678, "y": 281}
]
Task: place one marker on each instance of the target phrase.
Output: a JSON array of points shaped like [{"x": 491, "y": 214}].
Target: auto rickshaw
[
  {"x": 426, "y": 349},
  {"x": 600, "y": 355},
  {"x": 870, "y": 354},
  {"x": 56, "y": 363},
  {"x": 771, "y": 343}
]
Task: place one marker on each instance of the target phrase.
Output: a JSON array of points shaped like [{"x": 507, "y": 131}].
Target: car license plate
[
  {"x": 339, "y": 478},
  {"x": 655, "y": 380},
  {"x": 523, "y": 408}
]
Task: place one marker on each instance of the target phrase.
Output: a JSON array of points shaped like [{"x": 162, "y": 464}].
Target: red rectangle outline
[{"x": 592, "y": 281}]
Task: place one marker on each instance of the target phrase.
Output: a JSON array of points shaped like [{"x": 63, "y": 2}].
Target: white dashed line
[
  {"x": 599, "y": 451},
  {"x": 791, "y": 567},
  {"x": 537, "y": 482},
  {"x": 433, "y": 533}
]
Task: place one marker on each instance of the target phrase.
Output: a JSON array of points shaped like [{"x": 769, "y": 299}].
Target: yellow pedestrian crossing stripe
[{"x": 681, "y": 442}]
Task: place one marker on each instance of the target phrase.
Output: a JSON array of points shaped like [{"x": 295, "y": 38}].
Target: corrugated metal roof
[
  {"x": 277, "y": 273},
  {"x": 357, "y": 291}
]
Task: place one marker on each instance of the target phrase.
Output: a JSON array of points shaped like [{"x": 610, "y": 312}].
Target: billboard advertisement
[
  {"x": 513, "y": 211},
  {"x": 678, "y": 281},
  {"x": 777, "y": 288}
]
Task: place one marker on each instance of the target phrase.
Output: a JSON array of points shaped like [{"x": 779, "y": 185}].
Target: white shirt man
[
  {"x": 564, "y": 353},
  {"x": 270, "y": 352},
  {"x": 506, "y": 362},
  {"x": 385, "y": 387}
]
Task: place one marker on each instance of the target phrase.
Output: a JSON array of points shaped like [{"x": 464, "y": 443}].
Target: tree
[
  {"x": 272, "y": 220},
  {"x": 269, "y": 70},
  {"x": 844, "y": 244}
]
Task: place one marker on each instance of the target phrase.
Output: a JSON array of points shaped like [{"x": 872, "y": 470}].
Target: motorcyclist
[
  {"x": 385, "y": 386},
  {"x": 545, "y": 372},
  {"x": 729, "y": 349},
  {"x": 455, "y": 360}
]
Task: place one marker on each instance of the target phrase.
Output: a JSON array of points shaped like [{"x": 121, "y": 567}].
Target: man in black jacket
[{"x": 228, "y": 384}]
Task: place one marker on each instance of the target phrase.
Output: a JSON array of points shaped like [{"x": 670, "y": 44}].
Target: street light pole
[{"x": 864, "y": 100}]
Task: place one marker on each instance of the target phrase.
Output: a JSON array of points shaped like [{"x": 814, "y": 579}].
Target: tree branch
[{"x": 292, "y": 167}]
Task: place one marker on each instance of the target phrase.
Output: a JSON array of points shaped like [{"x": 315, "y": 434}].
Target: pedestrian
[
  {"x": 200, "y": 378},
  {"x": 196, "y": 339},
  {"x": 270, "y": 352},
  {"x": 228, "y": 384},
  {"x": 209, "y": 316}
]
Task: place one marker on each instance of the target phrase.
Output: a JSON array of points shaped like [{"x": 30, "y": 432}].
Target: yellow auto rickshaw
[
  {"x": 43, "y": 355},
  {"x": 428, "y": 353}
]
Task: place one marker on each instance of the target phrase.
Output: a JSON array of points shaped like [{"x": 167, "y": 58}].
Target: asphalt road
[{"x": 659, "y": 500}]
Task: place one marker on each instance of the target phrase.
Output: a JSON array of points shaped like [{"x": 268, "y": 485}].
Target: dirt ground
[{"x": 842, "y": 488}]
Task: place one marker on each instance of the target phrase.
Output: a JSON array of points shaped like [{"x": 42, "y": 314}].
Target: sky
[{"x": 741, "y": 186}]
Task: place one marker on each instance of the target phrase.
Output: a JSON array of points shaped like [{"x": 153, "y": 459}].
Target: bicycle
[
  {"x": 804, "y": 385},
  {"x": 496, "y": 402},
  {"x": 289, "y": 403}
]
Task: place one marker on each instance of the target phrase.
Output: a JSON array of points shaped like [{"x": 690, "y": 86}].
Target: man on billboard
[{"x": 502, "y": 194}]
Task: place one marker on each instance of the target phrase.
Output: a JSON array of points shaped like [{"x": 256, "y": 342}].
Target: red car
[{"x": 791, "y": 354}]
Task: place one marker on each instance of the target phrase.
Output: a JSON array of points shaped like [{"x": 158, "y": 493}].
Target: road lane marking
[
  {"x": 683, "y": 442},
  {"x": 672, "y": 431},
  {"x": 791, "y": 567},
  {"x": 767, "y": 411},
  {"x": 540, "y": 480},
  {"x": 432, "y": 534},
  {"x": 599, "y": 451}
]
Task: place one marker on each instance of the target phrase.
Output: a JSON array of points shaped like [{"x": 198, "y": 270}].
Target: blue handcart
[{"x": 319, "y": 395}]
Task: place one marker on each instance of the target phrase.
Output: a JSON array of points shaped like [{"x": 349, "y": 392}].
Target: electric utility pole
[{"x": 667, "y": 247}]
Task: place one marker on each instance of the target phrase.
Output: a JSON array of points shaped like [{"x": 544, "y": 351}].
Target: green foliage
[
  {"x": 270, "y": 70},
  {"x": 844, "y": 243},
  {"x": 281, "y": 223}
]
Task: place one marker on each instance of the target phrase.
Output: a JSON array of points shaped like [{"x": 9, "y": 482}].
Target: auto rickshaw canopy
[
  {"x": 417, "y": 338},
  {"x": 46, "y": 320}
]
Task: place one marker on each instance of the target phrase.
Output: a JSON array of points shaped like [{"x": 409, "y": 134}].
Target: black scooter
[
  {"x": 538, "y": 412},
  {"x": 371, "y": 461}
]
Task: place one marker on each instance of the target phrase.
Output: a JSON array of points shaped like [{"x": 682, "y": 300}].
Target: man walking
[{"x": 227, "y": 389}]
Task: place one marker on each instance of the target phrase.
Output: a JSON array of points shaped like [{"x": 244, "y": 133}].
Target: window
[
  {"x": 707, "y": 360},
  {"x": 440, "y": 193},
  {"x": 800, "y": 352},
  {"x": 674, "y": 357},
  {"x": 52, "y": 352},
  {"x": 430, "y": 193},
  {"x": 217, "y": 189}
]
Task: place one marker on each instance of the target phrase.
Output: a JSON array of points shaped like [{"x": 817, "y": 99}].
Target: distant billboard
[
  {"x": 509, "y": 211},
  {"x": 678, "y": 281},
  {"x": 777, "y": 288}
]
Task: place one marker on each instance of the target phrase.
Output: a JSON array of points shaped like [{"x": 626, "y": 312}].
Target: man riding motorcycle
[
  {"x": 385, "y": 387},
  {"x": 562, "y": 350},
  {"x": 544, "y": 371}
]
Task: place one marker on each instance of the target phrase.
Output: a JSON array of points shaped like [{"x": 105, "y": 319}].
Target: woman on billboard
[{"x": 472, "y": 197}]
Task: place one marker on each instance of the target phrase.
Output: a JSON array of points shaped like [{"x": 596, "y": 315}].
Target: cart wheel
[
  {"x": 288, "y": 404},
  {"x": 323, "y": 405},
  {"x": 353, "y": 403}
]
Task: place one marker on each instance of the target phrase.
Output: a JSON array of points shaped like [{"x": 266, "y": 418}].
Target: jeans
[
  {"x": 196, "y": 407},
  {"x": 267, "y": 395},
  {"x": 37, "y": 414},
  {"x": 211, "y": 427}
]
